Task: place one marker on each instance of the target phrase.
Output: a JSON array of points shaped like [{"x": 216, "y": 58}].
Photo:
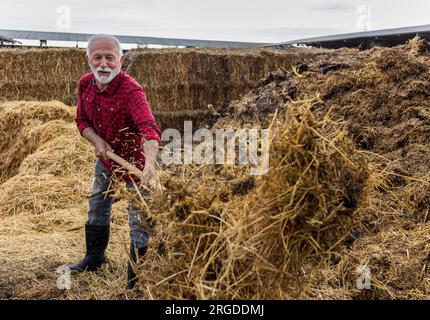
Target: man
[{"x": 113, "y": 114}]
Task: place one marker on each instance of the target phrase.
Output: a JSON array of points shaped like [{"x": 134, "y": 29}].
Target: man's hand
[
  {"x": 149, "y": 175},
  {"x": 101, "y": 148},
  {"x": 100, "y": 145}
]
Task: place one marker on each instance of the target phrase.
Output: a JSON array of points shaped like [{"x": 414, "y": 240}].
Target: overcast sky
[{"x": 242, "y": 20}]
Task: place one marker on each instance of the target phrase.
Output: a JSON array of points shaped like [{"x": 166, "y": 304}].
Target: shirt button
[
  {"x": 100, "y": 125},
  {"x": 111, "y": 109},
  {"x": 98, "y": 109}
]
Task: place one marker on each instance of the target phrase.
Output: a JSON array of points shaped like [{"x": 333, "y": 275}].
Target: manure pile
[{"x": 348, "y": 186}]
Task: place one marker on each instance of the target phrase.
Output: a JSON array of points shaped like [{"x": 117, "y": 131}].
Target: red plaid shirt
[{"x": 120, "y": 115}]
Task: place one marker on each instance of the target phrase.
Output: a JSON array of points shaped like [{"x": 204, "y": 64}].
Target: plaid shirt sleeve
[
  {"x": 142, "y": 116},
  {"x": 82, "y": 120}
]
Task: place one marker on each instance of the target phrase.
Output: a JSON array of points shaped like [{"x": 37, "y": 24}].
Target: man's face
[{"x": 104, "y": 60}]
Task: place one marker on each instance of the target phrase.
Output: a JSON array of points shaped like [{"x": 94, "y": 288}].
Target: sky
[{"x": 236, "y": 20}]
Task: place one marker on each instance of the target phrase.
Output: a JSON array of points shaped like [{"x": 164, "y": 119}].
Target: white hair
[{"x": 104, "y": 36}]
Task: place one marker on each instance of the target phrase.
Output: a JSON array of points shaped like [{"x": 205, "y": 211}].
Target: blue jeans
[{"x": 100, "y": 206}]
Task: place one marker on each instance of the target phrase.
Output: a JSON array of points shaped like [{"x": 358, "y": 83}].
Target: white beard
[{"x": 105, "y": 79}]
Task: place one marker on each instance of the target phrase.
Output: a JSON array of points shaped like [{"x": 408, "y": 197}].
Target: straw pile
[
  {"x": 23, "y": 125},
  {"x": 225, "y": 234},
  {"x": 43, "y": 203}
]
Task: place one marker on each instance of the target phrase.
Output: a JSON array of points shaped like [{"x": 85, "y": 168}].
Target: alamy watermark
[
  {"x": 64, "y": 280},
  {"x": 222, "y": 146},
  {"x": 64, "y": 17},
  {"x": 363, "y": 17},
  {"x": 364, "y": 281}
]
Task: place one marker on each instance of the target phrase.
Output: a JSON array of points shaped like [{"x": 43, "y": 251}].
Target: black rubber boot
[
  {"x": 131, "y": 276},
  {"x": 97, "y": 238}
]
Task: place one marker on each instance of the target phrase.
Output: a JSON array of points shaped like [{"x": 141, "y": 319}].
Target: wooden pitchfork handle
[
  {"x": 132, "y": 169},
  {"x": 125, "y": 164}
]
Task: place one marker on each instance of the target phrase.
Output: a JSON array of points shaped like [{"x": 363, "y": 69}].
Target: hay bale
[
  {"x": 190, "y": 79},
  {"x": 35, "y": 74},
  {"x": 176, "y": 119},
  {"x": 175, "y": 80}
]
